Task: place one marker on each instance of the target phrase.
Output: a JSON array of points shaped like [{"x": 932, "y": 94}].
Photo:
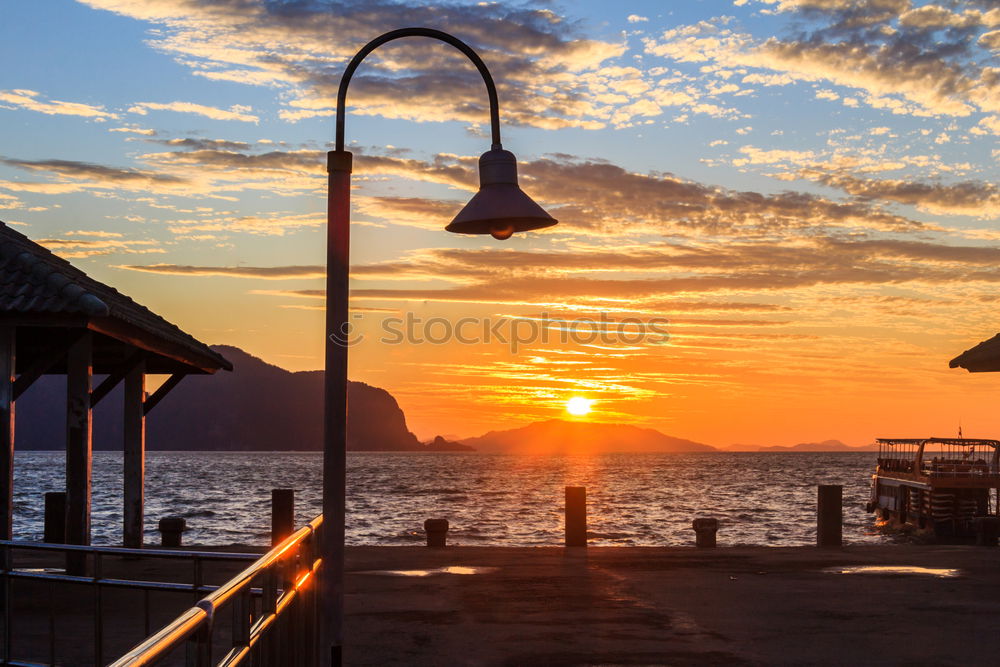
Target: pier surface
[{"x": 643, "y": 605}]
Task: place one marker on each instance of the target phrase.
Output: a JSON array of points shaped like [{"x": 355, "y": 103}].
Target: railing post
[
  {"x": 6, "y": 564},
  {"x": 269, "y": 605},
  {"x": 98, "y": 611},
  {"x": 241, "y": 619},
  {"x": 199, "y": 645}
]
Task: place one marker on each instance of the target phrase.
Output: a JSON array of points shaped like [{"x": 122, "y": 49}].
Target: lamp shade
[{"x": 500, "y": 207}]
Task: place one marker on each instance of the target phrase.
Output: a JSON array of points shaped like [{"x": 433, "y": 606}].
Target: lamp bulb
[{"x": 502, "y": 233}]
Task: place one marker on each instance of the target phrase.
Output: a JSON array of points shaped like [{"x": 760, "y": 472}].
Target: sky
[{"x": 781, "y": 215}]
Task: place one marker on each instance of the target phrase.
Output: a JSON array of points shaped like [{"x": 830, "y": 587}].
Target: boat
[{"x": 944, "y": 486}]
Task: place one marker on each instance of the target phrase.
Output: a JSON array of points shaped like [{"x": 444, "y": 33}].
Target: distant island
[
  {"x": 261, "y": 407},
  {"x": 557, "y": 436}
]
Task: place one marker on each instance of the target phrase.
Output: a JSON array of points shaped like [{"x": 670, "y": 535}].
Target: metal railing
[
  {"x": 280, "y": 630},
  {"x": 97, "y": 582}
]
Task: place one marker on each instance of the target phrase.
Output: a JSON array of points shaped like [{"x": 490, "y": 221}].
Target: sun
[{"x": 578, "y": 405}]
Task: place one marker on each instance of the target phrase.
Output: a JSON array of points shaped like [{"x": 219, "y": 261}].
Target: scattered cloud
[
  {"x": 238, "y": 112},
  {"x": 536, "y": 57},
  {"x": 103, "y": 243},
  {"x": 920, "y": 62},
  {"x": 31, "y": 101},
  {"x": 261, "y": 272}
]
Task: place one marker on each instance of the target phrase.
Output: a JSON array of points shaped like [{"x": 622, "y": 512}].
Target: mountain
[
  {"x": 577, "y": 437},
  {"x": 256, "y": 407},
  {"x": 825, "y": 446}
]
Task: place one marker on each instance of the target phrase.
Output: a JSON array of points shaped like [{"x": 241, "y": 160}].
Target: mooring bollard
[
  {"x": 282, "y": 514},
  {"x": 987, "y": 531},
  {"x": 171, "y": 529},
  {"x": 55, "y": 517},
  {"x": 705, "y": 529},
  {"x": 576, "y": 516},
  {"x": 437, "y": 532},
  {"x": 830, "y": 515}
]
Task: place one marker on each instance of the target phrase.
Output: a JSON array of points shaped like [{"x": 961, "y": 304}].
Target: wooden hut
[
  {"x": 56, "y": 319},
  {"x": 983, "y": 358}
]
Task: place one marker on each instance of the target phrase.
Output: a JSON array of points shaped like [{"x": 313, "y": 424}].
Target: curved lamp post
[{"x": 500, "y": 208}]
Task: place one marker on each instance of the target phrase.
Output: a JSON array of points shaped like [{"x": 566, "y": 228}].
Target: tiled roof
[
  {"x": 33, "y": 281},
  {"x": 982, "y": 358}
]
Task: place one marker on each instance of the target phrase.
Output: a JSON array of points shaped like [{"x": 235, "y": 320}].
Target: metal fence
[
  {"x": 272, "y": 603},
  {"x": 274, "y": 624}
]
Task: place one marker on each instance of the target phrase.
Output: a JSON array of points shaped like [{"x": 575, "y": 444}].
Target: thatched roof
[
  {"x": 982, "y": 358},
  {"x": 42, "y": 294}
]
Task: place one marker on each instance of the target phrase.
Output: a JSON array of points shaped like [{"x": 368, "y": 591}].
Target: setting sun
[{"x": 578, "y": 406}]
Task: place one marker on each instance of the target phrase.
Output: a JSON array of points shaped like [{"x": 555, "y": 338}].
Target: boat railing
[
  {"x": 96, "y": 581},
  {"x": 277, "y": 627},
  {"x": 959, "y": 469}
]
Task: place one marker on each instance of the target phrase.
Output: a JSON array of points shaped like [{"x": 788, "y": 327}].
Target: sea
[{"x": 489, "y": 499}]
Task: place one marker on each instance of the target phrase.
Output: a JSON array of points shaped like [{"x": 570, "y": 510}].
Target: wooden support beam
[
  {"x": 134, "y": 428},
  {"x": 7, "y": 366},
  {"x": 44, "y": 361},
  {"x": 115, "y": 377},
  {"x": 160, "y": 393},
  {"x": 78, "y": 448}
]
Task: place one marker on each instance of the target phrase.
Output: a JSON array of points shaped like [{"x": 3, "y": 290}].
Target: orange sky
[{"x": 807, "y": 192}]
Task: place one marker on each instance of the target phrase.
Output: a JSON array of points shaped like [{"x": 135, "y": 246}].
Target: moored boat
[{"x": 940, "y": 485}]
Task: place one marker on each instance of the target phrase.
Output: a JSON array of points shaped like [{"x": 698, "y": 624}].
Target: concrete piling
[
  {"x": 55, "y": 517},
  {"x": 576, "y": 516},
  {"x": 829, "y": 515},
  {"x": 705, "y": 529},
  {"x": 437, "y": 532},
  {"x": 282, "y": 514},
  {"x": 171, "y": 529}
]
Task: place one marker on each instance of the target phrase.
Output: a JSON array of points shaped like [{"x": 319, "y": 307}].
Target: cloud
[
  {"x": 635, "y": 18},
  {"x": 105, "y": 243},
  {"x": 29, "y": 100},
  {"x": 972, "y": 198},
  {"x": 904, "y": 62},
  {"x": 261, "y": 272},
  {"x": 90, "y": 175},
  {"x": 236, "y": 112},
  {"x": 626, "y": 203},
  {"x": 134, "y": 130},
  {"x": 535, "y": 56},
  {"x": 203, "y": 144}
]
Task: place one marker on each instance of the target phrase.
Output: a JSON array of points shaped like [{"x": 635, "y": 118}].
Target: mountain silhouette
[
  {"x": 256, "y": 407},
  {"x": 825, "y": 446},
  {"x": 558, "y": 436}
]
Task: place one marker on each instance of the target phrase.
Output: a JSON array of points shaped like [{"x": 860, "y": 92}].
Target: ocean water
[{"x": 633, "y": 499}]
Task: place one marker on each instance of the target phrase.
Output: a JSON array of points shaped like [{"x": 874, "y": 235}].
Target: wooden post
[
  {"x": 7, "y": 370},
  {"x": 282, "y": 514},
  {"x": 576, "y": 516},
  {"x": 78, "y": 450},
  {"x": 55, "y": 517},
  {"x": 134, "y": 457},
  {"x": 829, "y": 515}
]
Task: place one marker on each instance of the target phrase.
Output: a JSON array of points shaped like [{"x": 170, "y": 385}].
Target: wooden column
[
  {"x": 7, "y": 432},
  {"x": 134, "y": 427},
  {"x": 78, "y": 441}
]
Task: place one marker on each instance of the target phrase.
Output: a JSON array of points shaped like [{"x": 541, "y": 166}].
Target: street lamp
[{"x": 500, "y": 209}]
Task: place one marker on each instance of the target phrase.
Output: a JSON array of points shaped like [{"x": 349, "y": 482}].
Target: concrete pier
[{"x": 608, "y": 605}]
